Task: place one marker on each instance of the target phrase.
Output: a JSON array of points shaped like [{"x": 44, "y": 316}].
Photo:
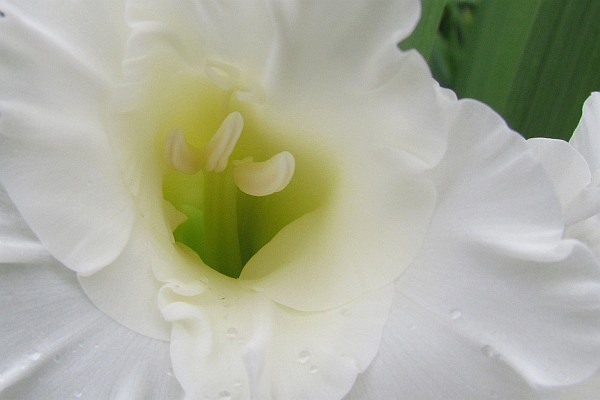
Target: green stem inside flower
[{"x": 221, "y": 239}]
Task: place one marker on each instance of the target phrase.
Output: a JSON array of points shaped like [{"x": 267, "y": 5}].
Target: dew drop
[
  {"x": 35, "y": 356},
  {"x": 237, "y": 384},
  {"x": 78, "y": 395},
  {"x": 231, "y": 333},
  {"x": 56, "y": 358},
  {"x": 224, "y": 395},
  {"x": 303, "y": 356},
  {"x": 489, "y": 351},
  {"x": 455, "y": 314},
  {"x": 314, "y": 369},
  {"x": 169, "y": 372}
]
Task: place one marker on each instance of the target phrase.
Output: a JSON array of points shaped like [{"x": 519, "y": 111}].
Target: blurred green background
[{"x": 534, "y": 61}]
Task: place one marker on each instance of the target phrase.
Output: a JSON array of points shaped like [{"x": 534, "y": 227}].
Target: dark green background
[{"x": 533, "y": 61}]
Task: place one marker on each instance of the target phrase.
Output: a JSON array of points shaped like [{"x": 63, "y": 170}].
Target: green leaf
[
  {"x": 425, "y": 34},
  {"x": 534, "y": 61}
]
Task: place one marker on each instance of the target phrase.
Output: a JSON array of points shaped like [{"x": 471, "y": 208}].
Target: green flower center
[{"x": 236, "y": 176}]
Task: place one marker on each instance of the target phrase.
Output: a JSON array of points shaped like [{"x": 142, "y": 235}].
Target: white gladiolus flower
[{"x": 268, "y": 200}]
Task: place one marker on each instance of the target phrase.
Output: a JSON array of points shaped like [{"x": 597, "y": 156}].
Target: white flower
[{"x": 395, "y": 242}]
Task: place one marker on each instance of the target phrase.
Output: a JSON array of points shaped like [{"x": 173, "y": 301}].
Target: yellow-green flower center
[{"x": 237, "y": 178}]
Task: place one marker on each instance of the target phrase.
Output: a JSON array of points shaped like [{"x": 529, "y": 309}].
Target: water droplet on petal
[
  {"x": 224, "y": 395},
  {"x": 35, "y": 356},
  {"x": 231, "y": 333},
  {"x": 314, "y": 369},
  {"x": 455, "y": 314},
  {"x": 237, "y": 384},
  {"x": 78, "y": 395},
  {"x": 56, "y": 358},
  {"x": 489, "y": 351},
  {"x": 303, "y": 356}
]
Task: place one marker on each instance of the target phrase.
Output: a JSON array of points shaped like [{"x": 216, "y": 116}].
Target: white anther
[
  {"x": 223, "y": 75},
  {"x": 264, "y": 178},
  {"x": 220, "y": 147},
  {"x": 180, "y": 154}
]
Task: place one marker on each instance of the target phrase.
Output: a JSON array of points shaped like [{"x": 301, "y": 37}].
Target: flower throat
[{"x": 233, "y": 204}]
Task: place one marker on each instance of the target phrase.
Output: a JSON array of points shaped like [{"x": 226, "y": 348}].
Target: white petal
[
  {"x": 56, "y": 345},
  {"x": 52, "y": 119},
  {"x": 567, "y": 168},
  {"x": 494, "y": 288},
  {"x": 586, "y": 138},
  {"x": 230, "y": 342},
  {"x": 127, "y": 289},
  {"x": 538, "y": 316},
  {"x": 588, "y": 390},
  {"x": 423, "y": 358},
  {"x": 490, "y": 189},
  {"x": 17, "y": 242},
  {"x": 587, "y": 231},
  {"x": 242, "y": 33},
  {"x": 330, "y": 39},
  {"x": 571, "y": 166},
  {"x": 302, "y": 77},
  {"x": 361, "y": 241}
]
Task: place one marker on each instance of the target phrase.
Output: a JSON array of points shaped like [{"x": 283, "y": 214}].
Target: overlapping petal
[
  {"x": 55, "y": 160},
  {"x": 480, "y": 318},
  {"x": 57, "y": 345},
  {"x": 586, "y": 139},
  {"x": 574, "y": 169},
  {"x": 18, "y": 243}
]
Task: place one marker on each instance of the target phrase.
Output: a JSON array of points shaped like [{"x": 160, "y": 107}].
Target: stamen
[
  {"x": 221, "y": 145},
  {"x": 264, "y": 178},
  {"x": 180, "y": 155}
]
